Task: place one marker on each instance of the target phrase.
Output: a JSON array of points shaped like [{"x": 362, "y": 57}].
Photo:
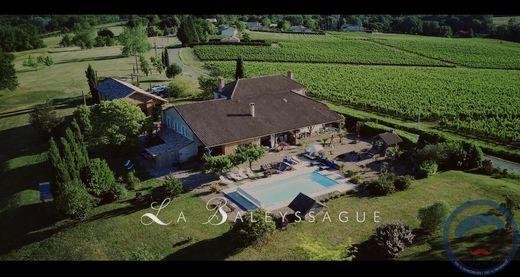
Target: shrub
[
  {"x": 45, "y": 119},
  {"x": 432, "y": 217},
  {"x": 358, "y": 179},
  {"x": 215, "y": 188},
  {"x": 118, "y": 191},
  {"x": 98, "y": 178},
  {"x": 487, "y": 167},
  {"x": 132, "y": 181},
  {"x": 384, "y": 185},
  {"x": 452, "y": 155},
  {"x": 172, "y": 186},
  {"x": 315, "y": 250},
  {"x": 427, "y": 168},
  {"x": 256, "y": 231},
  {"x": 173, "y": 70},
  {"x": 351, "y": 173},
  {"x": 74, "y": 200},
  {"x": 393, "y": 237},
  {"x": 402, "y": 182}
]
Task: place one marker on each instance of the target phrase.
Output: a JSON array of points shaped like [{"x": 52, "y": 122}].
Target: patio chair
[
  {"x": 328, "y": 165},
  {"x": 319, "y": 161},
  {"x": 225, "y": 181},
  {"x": 310, "y": 157},
  {"x": 295, "y": 159}
]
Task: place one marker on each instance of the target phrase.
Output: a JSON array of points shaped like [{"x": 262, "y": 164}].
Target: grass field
[
  {"x": 114, "y": 231},
  {"x": 22, "y": 151}
]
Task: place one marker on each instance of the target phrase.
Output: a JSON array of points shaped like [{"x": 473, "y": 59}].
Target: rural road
[{"x": 173, "y": 55}]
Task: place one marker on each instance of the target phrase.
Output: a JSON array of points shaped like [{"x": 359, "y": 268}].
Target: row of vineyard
[
  {"x": 507, "y": 129},
  {"x": 410, "y": 92},
  {"x": 326, "y": 49},
  {"x": 474, "y": 52}
]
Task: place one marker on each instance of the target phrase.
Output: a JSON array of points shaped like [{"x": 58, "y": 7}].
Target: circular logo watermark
[{"x": 481, "y": 237}]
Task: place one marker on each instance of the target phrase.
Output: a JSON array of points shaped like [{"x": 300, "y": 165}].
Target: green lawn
[
  {"x": 115, "y": 231},
  {"x": 453, "y": 187}
]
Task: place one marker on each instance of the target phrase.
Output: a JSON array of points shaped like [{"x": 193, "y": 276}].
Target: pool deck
[{"x": 304, "y": 166}]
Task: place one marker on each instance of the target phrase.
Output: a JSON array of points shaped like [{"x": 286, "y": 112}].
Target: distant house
[
  {"x": 254, "y": 25},
  {"x": 302, "y": 205},
  {"x": 352, "y": 28},
  {"x": 386, "y": 140},
  {"x": 212, "y": 20},
  {"x": 230, "y": 39},
  {"x": 300, "y": 29},
  {"x": 110, "y": 89},
  {"x": 263, "y": 110},
  {"x": 228, "y": 31}
]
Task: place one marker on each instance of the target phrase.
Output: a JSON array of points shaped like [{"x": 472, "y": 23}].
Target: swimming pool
[{"x": 263, "y": 195}]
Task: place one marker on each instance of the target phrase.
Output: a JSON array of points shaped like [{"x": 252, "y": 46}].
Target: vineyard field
[
  {"x": 448, "y": 94},
  {"x": 471, "y": 52},
  {"x": 315, "y": 49}
]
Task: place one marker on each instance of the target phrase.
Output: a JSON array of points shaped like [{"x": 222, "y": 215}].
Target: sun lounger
[
  {"x": 235, "y": 177},
  {"x": 225, "y": 181},
  {"x": 287, "y": 160},
  {"x": 242, "y": 173},
  {"x": 308, "y": 156},
  {"x": 295, "y": 159}
]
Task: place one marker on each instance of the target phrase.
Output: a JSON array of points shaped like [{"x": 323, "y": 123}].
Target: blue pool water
[{"x": 281, "y": 190}]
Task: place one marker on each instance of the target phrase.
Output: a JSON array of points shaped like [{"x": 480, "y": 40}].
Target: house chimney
[
  {"x": 290, "y": 74},
  {"x": 220, "y": 84},
  {"x": 252, "y": 109}
]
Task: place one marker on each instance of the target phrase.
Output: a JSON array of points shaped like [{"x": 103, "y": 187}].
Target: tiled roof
[
  {"x": 116, "y": 89},
  {"x": 277, "y": 110}
]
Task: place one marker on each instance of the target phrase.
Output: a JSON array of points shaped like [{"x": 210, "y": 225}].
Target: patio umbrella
[{"x": 314, "y": 148}]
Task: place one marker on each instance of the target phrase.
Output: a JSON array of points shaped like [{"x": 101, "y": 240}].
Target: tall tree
[
  {"x": 68, "y": 159},
  {"x": 173, "y": 70},
  {"x": 7, "y": 72},
  {"x": 116, "y": 122},
  {"x": 81, "y": 143},
  {"x": 135, "y": 42},
  {"x": 239, "y": 71},
  {"x": 145, "y": 65},
  {"x": 60, "y": 173},
  {"x": 166, "y": 58},
  {"x": 92, "y": 83}
]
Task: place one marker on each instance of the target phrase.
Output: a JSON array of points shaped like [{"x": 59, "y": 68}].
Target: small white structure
[
  {"x": 230, "y": 39},
  {"x": 254, "y": 25},
  {"x": 314, "y": 148},
  {"x": 300, "y": 29},
  {"x": 212, "y": 20},
  {"x": 228, "y": 31}
]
